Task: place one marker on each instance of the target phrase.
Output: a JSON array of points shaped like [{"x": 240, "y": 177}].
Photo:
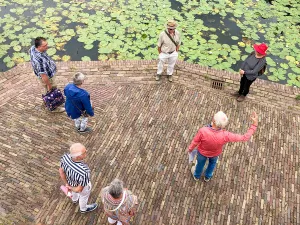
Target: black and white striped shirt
[
  {"x": 42, "y": 63},
  {"x": 77, "y": 173}
]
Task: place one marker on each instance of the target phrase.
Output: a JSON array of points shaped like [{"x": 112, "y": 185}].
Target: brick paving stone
[{"x": 141, "y": 132}]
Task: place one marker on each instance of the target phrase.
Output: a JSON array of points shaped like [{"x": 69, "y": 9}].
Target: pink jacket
[{"x": 209, "y": 142}]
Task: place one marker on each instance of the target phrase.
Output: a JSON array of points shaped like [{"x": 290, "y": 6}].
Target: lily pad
[
  {"x": 10, "y": 64},
  {"x": 234, "y": 38},
  {"x": 85, "y": 58},
  {"x": 284, "y": 65},
  {"x": 66, "y": 58},
  {"x": 17, "y": 48},
  {"x": 88, "y": 47},
  {"x": 51, "y": 51}
]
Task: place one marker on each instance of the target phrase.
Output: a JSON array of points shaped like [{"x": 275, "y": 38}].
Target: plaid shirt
[{"x": 42, "y": 63}]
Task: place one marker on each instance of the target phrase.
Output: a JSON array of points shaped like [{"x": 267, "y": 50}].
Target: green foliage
[{"x": 129, "y": 30}]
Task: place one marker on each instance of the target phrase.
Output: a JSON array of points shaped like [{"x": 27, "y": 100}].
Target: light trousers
[
  {"x": 111, "y": 221},
  {"x": 83, "y": 196},
  {"x": 81, "y": 123},
  {"x": 52, "y": 82},
  {"x": 163, "y": 58}
]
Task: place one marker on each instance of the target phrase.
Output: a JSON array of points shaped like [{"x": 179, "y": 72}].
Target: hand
[
  {"x": 254, "y": 118},
  {"x": 242, "y": 72},
  {"x": 49, "y": 87},
  {"x": 69, "y": 187},
  {"x": 188, "y": 151},
  {"x": 131, "y": 213}
]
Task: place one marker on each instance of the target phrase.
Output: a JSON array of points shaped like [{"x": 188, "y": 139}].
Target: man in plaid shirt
[{"x": 43, "y": 66}]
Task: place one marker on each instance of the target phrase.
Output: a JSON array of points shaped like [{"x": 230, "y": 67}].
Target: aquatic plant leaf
[
  {"x": 66, "y": 58},
  {"x": 273, "y": 78},
  {"x": 85, "y": 58},
  {"x": 51, "y": 51},
  {"x": 241, "y": 44},
  {"x": 234, "y": 38},
  {"x": 284, "y": 65},
  {"x": 89, "y": 46},
  {"x": 7, "y": 59},
  {"x": 17, "y": 48},
  {"x": 10, "y": 64}
]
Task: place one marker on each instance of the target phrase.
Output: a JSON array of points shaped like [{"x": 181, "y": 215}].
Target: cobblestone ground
[{"x": 141, "y": 133}]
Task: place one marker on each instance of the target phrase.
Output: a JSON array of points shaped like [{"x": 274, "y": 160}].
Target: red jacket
[{"x": 209, "y": 142}]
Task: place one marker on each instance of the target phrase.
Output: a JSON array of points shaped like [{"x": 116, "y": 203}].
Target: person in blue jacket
[{"x": 78, "y": 104}]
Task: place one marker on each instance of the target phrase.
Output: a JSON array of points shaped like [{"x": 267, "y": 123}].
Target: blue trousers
[{"x": 201, "y": 160}]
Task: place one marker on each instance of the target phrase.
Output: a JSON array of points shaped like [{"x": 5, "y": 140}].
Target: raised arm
[{"x": 231, "y": 137}]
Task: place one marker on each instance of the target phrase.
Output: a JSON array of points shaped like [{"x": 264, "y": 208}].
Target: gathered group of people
[{"x": 119, "y": 203}]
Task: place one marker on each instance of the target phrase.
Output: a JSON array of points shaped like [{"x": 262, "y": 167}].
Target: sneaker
[
  {"x": 75, "y": 201},
  {"x": 241, "y": 98},
  {"x": 170, "y": 78},
  {"x": 59, "y": 110},
  {"x": 90, "y": 208},
  {"x": 157, "y": 78},
  {"x": 206, "y": 179},
  {"x": 86, "y": 130},
  {"x": 235, "y": 94},
  {"x": 193, "y": 171}
]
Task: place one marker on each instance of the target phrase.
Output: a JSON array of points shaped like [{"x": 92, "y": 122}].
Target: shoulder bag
[
  {"x": 83, "y": 113},
  {"x": 53, "y": 99},
  {"x": 171, "y": 38}
]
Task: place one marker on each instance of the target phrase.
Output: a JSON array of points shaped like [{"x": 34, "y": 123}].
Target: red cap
[{"x": 261, "y": 49}]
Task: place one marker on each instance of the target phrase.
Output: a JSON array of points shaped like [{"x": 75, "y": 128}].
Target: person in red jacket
[{"x": 209, "y": 142}]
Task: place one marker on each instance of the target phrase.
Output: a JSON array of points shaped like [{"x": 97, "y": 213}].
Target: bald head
[{"x": 77, "y": 149}]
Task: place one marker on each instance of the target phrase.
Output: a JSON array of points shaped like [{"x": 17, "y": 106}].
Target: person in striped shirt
[{"x": 76, "y": 176}]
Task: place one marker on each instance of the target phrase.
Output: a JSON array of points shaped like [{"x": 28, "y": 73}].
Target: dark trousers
[{"x": 245, "y": 85}]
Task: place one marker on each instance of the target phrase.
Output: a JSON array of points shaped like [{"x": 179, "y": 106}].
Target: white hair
[
  {"x": 220, "y": 119},
  {"x": 78, "y": 78},
  {"x": 76, "y": 149},
  {"x": 116, "y": 188}
]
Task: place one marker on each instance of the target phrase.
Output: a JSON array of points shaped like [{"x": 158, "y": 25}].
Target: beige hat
[{"x": 171, "y": 24}]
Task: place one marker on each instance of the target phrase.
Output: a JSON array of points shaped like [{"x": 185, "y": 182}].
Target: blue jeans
[{"x": 201, "y": 160}]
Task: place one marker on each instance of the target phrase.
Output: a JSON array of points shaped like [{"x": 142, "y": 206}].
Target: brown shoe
[
  {"x": 235, "y": 94},
  {"x": 170, "y": 78},
  {"x": 241, "y": 98}
]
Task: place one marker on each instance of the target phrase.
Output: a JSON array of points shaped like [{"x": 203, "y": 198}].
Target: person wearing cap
[
  {"x": 250, "y": 70},
  {"x": 76, "y": 176},
  {"x": 120, "y": 205},
  {"x": 209, "y": 142},
  {"x": 168, "y": 45}
]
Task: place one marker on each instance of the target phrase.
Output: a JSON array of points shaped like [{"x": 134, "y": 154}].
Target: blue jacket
[{"x": 77, "y": 97}]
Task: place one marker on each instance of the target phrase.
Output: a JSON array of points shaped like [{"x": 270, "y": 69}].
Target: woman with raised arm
[{"x": 209, "y": 143}]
